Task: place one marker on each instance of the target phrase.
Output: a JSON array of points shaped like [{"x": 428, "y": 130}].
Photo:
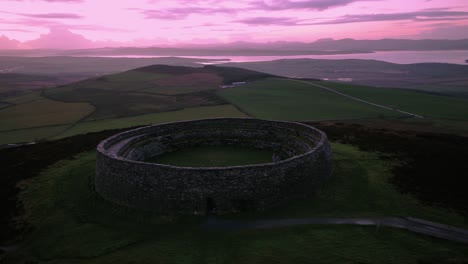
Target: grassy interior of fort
[
  {"x": 69, "y": 222},
  {"x": 214, "y": 156}
]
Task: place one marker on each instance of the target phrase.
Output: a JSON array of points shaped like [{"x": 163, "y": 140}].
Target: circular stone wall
[{"x": 302, "y": 161}]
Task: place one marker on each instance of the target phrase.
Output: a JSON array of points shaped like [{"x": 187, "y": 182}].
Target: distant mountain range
[{"x": 282, "y": 48}]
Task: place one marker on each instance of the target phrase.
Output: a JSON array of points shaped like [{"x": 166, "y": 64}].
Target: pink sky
[{"x": 93, "y": 23}]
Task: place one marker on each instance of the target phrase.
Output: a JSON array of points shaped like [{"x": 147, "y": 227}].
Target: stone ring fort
[{"x": 302, "y": 160}]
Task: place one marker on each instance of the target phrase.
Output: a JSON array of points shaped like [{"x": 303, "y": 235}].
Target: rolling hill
[
  {"x": 156, "y": 93},
  {"x": 162, "y": 93}
]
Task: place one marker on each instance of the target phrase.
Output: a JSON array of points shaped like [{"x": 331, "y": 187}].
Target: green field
[
  {"x": 414, "y": 102},
  {"x": 289, "y": 100},
  {"x": 214, "y": 156},
  {"x": 157, "y": 118},
  {"x": 73, "y": 225},
  {"x": 55, "y": 132},
  {"x": 111, "y": 104},
  {"x": 42, "y": 112}
]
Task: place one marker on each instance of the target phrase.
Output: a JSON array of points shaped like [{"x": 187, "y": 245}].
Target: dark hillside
[
  {"x": 231, "y": 74},
  {"x": 435, "y": 165},
  {"x": 27, "y": 161},
  {"x": 173, "y": 70}
]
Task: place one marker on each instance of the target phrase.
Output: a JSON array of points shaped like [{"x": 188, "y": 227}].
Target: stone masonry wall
[{"x": 123, "y": 178}]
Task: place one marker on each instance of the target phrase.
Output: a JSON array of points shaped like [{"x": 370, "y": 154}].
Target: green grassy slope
[
  {"x": 156, "y": 88},
  {"x": 289, "y": 100},
  {"x": 73, "y": 225},
  {"x": 141, "y": 91}
]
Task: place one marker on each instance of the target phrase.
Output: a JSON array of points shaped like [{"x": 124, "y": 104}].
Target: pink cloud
[
  {"x": 6, "y": 43},
  {"x": 217, "y": 7},
  {"x": 60, "y": 38}
]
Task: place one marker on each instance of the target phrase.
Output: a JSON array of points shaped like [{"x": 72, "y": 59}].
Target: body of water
[{"x": 400, "y": 57}]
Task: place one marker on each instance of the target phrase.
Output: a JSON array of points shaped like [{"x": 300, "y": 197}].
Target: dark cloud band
[{"x": 425, "y": 15}]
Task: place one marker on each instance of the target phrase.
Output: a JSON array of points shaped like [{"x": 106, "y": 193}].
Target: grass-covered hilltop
[{"x": 397, "y": 152}]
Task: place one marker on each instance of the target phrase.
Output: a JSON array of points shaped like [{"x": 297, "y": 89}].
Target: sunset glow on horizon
[{"x": 91, "y": 23}]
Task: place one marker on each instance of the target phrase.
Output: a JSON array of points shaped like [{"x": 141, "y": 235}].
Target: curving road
[{"x": 415, "y": 225}]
